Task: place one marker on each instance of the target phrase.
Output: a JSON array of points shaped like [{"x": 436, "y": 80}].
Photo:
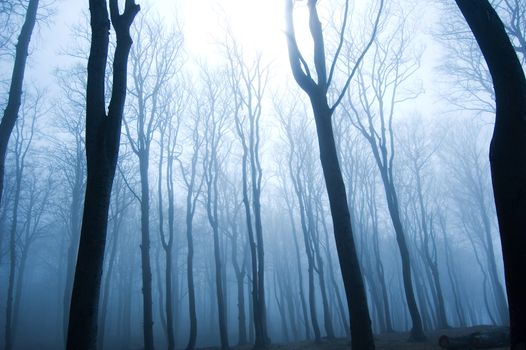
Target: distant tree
[
  {"x": 70, "y": 164},
  {"x": 169, "y": 130},
  {"x": 248, "y": 84},
  {"x": 507, "y": 153},
  {"x": 378, "y": 95},
  {"x": 103, "y": 130},
  {"x": 417, "y": 147},
  {"x": 217, "y": 109},
  {"x": 470, "y": 175},
  {"x": 23, "y": 140},
  {"x": 361, "y": 332},
  {"x": 153, "y": 61},
  {"x": 193, "y": 183},
  {"x": 17, "y": 79}
]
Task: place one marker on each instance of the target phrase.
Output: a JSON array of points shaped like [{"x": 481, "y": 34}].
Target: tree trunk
[
  {"x": 15, "y": 90},
  {"x": 190, "y": 276},
  {"x": 9, "y": 334},
  {"x": 362, "y": 336},
  {"x": 145, "y": 252},
  {"x": 102, "y": 147},
  {"x": 107, "y": 280},
  {"x": 417, "y": 332},
  {"x": 507, "y": 153}
]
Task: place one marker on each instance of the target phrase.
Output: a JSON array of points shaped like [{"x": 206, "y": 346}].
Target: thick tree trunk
[
  {"x": 15, "y": 90},
  {"x": 507, "y": 153},
  {"x": 362, "y": 336},
  {"x": 102, "y": 148}
]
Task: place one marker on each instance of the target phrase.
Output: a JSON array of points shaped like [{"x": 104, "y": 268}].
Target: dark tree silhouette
[
  {"x": 507, "y": 153},
  {"x": 361, "y": 332},
  {"x": 103, "y": 132},
  {"x": 15, "y": 90}
]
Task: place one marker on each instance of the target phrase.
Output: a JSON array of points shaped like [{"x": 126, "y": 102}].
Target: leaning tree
[
  {"x": 317, "y": 89},
  {"x": 507, "y": 153}
]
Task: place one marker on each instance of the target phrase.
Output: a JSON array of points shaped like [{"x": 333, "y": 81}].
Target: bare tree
[
  {"x": 361, "y": 331},
  {"x": 193, "y": 183},
  {"x": 217, "y": 109},
  {"x": 15, "y": 90},
  {"x": 248, "y": 83},
  {"x": 169, "y": 129},
  {"x": 23, "y": 140},
  {"x": 507, "y": 153},
  {"x": 102, "y": 147},
  {"x": 153, "y": 64},
  {"x": 379, "y": 94}
]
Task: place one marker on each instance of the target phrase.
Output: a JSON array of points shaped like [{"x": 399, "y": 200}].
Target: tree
[
  {"x": 214, "y": 123},
  {"x": 507, "y": 153},
  {"x": 361, "y": 332},
  {"x": 153, "y": 62},
  {"x": 170, "y": 129},
  {"x": 70, "y": 163},
  {"x": 103, "y": 132},
  {"x": 378, "y": 96},
  {"x": 15, "y": 89},
  {"x": 23, "y": 140},
  {"x": 248, "y": 83},
  {"x": 193, "y": 183}
]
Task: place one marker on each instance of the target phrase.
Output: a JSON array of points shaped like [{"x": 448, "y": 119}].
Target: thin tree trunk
[
  {"x": 15, "y": 89},
  {"x": 145, "y": 252},
  {"x": 106, "y": 291},
  {"x": 417, "y": 332},
  {"x": 9, "y": 336}
]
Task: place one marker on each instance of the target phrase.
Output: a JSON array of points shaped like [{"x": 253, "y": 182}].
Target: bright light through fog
[{"x": 256, "y": 24}]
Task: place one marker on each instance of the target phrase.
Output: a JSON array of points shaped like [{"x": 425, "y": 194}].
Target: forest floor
[{"x": 385, "y": 341}]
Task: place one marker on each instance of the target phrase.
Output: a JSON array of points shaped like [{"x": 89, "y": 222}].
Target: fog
[{"x": 220, "y": 216}]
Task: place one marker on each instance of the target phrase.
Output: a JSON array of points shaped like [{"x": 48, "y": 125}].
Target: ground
[{"x": 386, "y": 341}]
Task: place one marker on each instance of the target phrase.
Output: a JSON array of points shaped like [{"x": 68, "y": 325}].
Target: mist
[{"x": 239, "y": 176}]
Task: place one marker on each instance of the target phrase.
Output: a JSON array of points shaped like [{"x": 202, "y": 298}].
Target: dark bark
[
  {"x": 507, "y": 153},
  {"x": 102, "y": 147},
  {"x": 361, "y": 331},
  {"x": 15, "y": 89}
]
